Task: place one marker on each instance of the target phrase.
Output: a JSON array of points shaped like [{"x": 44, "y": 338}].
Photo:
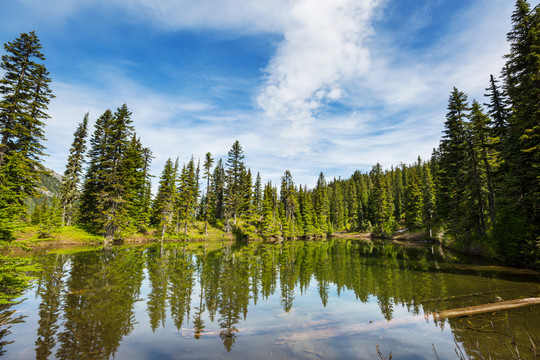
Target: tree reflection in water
[{"x": 88, "y": 298}]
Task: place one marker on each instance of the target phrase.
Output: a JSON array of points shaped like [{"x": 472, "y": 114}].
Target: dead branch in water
[{"x": 480, "y": 309}]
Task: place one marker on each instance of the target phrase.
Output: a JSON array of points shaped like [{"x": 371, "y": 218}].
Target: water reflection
[
  {"x": 89, "y": 299},
  {"x": 8, "y": 318}
]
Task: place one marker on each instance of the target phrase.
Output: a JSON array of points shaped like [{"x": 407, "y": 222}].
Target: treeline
[{"x": 480, "y": 189}]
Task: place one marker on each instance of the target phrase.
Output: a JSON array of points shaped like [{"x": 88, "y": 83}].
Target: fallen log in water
[{"x": 480, "y": 309}]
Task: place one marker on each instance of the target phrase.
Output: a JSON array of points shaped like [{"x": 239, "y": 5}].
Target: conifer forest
[{"x": 480, "y": 189}]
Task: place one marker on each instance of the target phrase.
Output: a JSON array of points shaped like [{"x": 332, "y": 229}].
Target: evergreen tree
[
  {"x": 187, "y": 195},
  {"x": 352, "y": 205},
  {"x": 25, "y": 95},
  {"x": 217, "y": 196},
  {"x": 113, "y": 209},
  {"x": 104, "y": 200},
  {"x": 308, "y": 214},
  {"x": 337, "y": 213},
  {"x": 414, "y": 198},
  {"x": 257, "y": 196},
  {"x": 481, "y": 150},
  {"x": 321, "y": 204},
  {"x": 134, "y": 168},
  {"x": 146, "y": 202},
  {"x": 429, "y": 200},
  {"x": 269, "y": 202},
  {"x": 453, "y": 161},
  {"x": 95, "y": 175},
  {"x": 246, "y": 193},
  {"x": 382, "y": 209},
  {"x": 163, "y": 205},
  {"x": 519, "y": 202},
  {"x": 70, "y": 181},
  {"x": 397, "y": 184},
  {"x": 235, "y": 168},
  {"x": 208, "y": 162},
  {"x": 289, "y": 205},
  {"x": 498, "y": 109}
]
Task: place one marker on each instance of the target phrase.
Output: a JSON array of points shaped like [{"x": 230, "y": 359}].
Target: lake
[{"x": 337, "y": 299}]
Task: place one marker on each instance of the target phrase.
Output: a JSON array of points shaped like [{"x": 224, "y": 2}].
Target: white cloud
[
  {"x": 324, "y": 45},
  {"x": 394, "y": 100}
]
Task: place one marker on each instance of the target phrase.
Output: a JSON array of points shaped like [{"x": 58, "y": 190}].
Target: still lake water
[{"x": 304, "y": 300}]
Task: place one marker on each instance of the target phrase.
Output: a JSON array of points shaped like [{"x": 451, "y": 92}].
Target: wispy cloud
[
  {"x": 244, "y": 16},
  {"x": 336, "y": 96},
  {"x": 324, "y": 47}
]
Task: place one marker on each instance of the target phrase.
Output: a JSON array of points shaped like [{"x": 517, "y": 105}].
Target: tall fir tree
[
  {"x": 217, "y": 196},
  {"x": 414, "y": 198},
  {"x": 235, "y": 169},
  {"x": 25, "y": 95},
  {"x": 113, "y": 207},
  {"x": 104, "y": 202},
  {"x": 257, "y": 196},
  {"x": 72, "y": 175},
  {"x": 207, "y": 165},
  {"x": 163, "y": 205},
  {"x": 453, "y": 162},
  {"x": 519, "y": 202},
  {"x": 94, "y": 179},
  {"x": 321, "y": 204},
  {"x": 429, "y": 199}
]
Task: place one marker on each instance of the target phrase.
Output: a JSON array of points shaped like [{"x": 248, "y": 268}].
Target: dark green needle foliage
[{"x": 25, "y": 95}]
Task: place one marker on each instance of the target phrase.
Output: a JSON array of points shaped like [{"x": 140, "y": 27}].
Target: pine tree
[
  {"x": 352, "y": 205},
  {"x": 498, "y": 109},
  {"x": 429, "y": 200},
  {"x": 208, "y": 162},
  {"x": 308, "y": 214},
  {"x": 94, "y": 180},
  {"x": 269, "y": 202},
  {"x": 453, "y": 161},
  {"x": 414, "y": 198},
  {"x": 113, "y": 209},
  {"x": 481, "y": 143},
  {"x": 25, "y": 96},
  {"x": 217, "y": 196},
  {"x": 163, "y": 205},
  {"x": 235, "y": 168},
  {"x": 146, "y": 195},
  {"x": 321, "y": 204},
  {"x": 70, "y": 181},
  {"x": 246, "y": 206},
  {"x": 381, "y": 202},
  {"x": 397, "y": 183},
  {"x": 257, "y": 196},
  {"x": 187, "y": 195},
  {"x": 289, "y": 205},
  {"x": 337, "y": 213},
  {"x": 134, "y": 168},
  {"x": 104, "y": 202},
  {"x": 519, "y": 202}
]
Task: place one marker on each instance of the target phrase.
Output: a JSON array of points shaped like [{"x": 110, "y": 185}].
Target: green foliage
[
  {"x": 70, "y": 181},
  {"x": 163, "y": 205},
  {"x": 235, "y": 187},
  {"x": 25, "y": 95},
  {"x": 14, "y": 277}
]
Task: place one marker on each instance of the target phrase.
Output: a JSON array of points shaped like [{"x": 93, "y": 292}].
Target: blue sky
[{"x": 304, "y": 85}]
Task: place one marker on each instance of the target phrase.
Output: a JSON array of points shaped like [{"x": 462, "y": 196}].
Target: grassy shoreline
[{"x": 35, "y": 238}]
